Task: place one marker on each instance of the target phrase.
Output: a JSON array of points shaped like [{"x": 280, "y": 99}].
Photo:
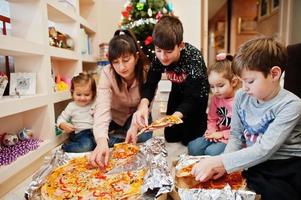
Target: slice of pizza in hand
[{"x": 163, "y": 122}]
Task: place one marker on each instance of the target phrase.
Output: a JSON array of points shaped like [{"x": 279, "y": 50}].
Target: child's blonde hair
[{"x": 84, "y": 78}]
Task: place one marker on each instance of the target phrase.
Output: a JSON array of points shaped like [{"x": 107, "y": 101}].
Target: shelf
[
  {"x": 60, "y": 96},
  {"x": 13, "y": 46},
  {"x": 86, "y": 1},
  {"x": 30, "y": 50},
  {"x": 9, "y": 171},
  {"x": 57, "y": 13},
  {"x": 62, "y": 54},
  {"x": 89, "y": 59},
  {"x": 11, "y": 105},
  {"x": 87, "y": 26}
]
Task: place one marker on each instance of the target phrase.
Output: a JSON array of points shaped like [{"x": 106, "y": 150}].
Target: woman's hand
[
  {"x": 100, "y": 155},
  {"x": 131, "y": 135},
  {"x": 67, "y": 127},
  {"x": 140, "y": 117},
  {"x": 208, "y": 168}
]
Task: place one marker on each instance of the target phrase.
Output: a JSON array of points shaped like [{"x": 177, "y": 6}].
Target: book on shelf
[{"x": 83, "y": 41}]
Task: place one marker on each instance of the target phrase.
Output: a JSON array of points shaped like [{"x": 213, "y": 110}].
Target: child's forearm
[{"x": 144, "y": 102}]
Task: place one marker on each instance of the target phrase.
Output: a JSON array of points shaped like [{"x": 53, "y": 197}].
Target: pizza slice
[
  {"x": 127, "y": 184},
  {"x": 236, "y": 180},
  {"x": 124, "y": 150},
  {"x": 219, "y": 183},
  {"x": 166, "y": 121},
  {"x": 185, "y": 171},
  {"x": 163, "y": 122}
]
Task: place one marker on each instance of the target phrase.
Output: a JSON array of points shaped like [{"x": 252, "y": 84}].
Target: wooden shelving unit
[{"x": 31, "y": 52}]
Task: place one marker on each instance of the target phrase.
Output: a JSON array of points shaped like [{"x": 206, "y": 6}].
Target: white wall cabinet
[{"x": 28, "y": 45}]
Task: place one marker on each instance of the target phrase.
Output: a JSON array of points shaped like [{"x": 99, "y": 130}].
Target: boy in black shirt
[{"x": 185, "y": 68}]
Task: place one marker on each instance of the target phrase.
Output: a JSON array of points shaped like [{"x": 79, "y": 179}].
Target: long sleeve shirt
[
  {"x": 219, "y": 116},
  {"x": 112, "y": 103},
  {"x": 270, "y": 130},
  {"x": 81, "y": 117},
  {"x": 188, "y": 77}
]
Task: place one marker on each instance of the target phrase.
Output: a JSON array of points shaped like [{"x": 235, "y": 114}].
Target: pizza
[
  {"x": 185, "y": 179},
  {"x": 124, "y": 150},
  {"x": 166, "y": 121},
  {"x": 79, "y": 180},
  {"x": 185, "y": 171}
]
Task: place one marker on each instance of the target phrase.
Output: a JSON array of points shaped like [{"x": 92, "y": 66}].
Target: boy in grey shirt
[{"x": 265, "y": 137}]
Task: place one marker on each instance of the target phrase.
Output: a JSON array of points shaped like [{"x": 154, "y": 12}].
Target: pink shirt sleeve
[
  {"x": 212, "y": 116},
  {"x": 102, "y": 115}
]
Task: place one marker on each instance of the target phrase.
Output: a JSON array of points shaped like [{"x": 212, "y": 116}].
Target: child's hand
[
  {"x": 208, "y": 168},
  {"x": 214, "y": 136},
  {"x": 131, "y": 135},
  {"x": 67, "y": 127}
]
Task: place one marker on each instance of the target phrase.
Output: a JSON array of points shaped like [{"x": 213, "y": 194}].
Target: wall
[
  {"x": 241, "y": 8},
  {"x": 296, "y": 22},
  {"x": 220, "y": 16},
  {"x": 188, "y": 11},
  {"x": 269, "y": 26},
  {"x": 109, "y": 17}
]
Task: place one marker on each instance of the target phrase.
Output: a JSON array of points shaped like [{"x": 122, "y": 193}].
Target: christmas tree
[{"x": 140, "y": 16}]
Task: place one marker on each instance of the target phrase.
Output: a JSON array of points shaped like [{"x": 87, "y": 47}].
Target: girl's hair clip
[
  {"x": 121, "y": 32},
  {"x": 223, "y": 56}
]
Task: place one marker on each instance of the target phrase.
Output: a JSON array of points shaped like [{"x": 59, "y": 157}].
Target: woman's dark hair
[{"x": 124, "y": 42}]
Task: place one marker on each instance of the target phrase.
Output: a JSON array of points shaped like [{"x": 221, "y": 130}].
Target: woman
[{"x": 118, "y": 96}]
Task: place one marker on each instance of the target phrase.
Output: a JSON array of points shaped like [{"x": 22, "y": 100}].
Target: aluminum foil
[
  {"x": 209, "y": 194},
  {"x": 158, "y": 176},
  {"x": 158, "y": 179}
]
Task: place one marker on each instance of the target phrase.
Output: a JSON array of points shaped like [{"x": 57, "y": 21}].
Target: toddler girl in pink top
[{"x": 223, "y": 84}]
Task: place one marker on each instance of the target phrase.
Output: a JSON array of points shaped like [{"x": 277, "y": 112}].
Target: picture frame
[
  {"x": 22, "y": 84},
  {"x": 275, "y": 4},
  {"x": 263, "y": 9},
  {"x": 219, "y": 35},
  {"x": 246, "y": 25}
]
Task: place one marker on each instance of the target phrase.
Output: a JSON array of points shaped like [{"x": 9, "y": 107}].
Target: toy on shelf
[
  {"x": 3, "y": 83},
  {"x": 15, "y": 147},
  {"x": 25, "y": 134},
  {"x": 9, "y": 139},
  {"x": 58, "y": 39},
  {"x": 62, "y": 85}
]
